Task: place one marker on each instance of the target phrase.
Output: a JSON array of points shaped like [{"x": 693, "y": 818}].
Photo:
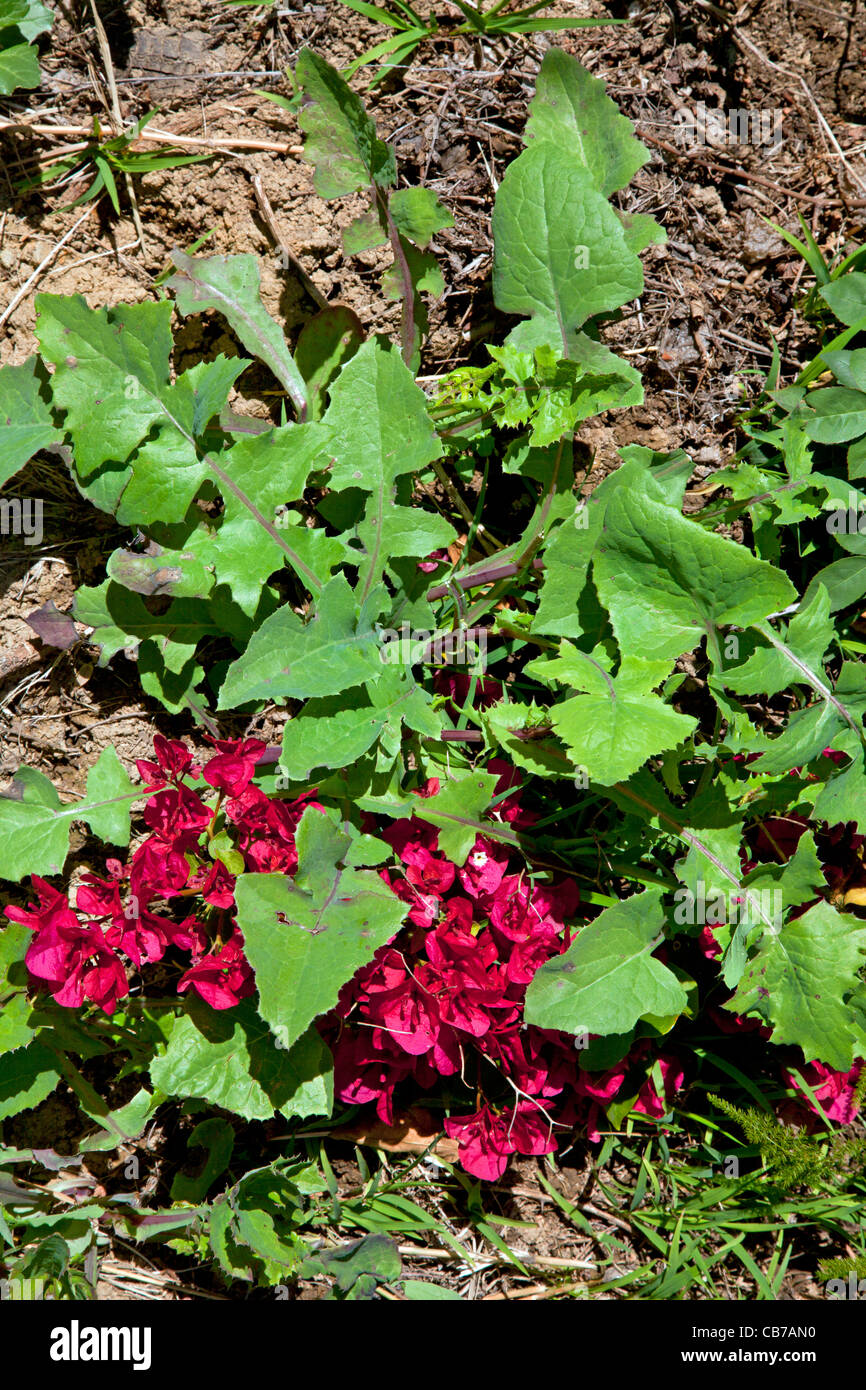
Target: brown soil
[{"x": 721, "y": 288}]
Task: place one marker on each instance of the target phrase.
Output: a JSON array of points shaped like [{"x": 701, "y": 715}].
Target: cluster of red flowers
[
  {"x": 444, "y": 999},
  {"x": 448, "y": 1001},
  {"x": 76, "y": 956}
]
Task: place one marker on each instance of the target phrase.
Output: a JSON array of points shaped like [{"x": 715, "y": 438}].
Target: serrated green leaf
[
  {"x": 335, "y": 650},
  {"x": 139, "y": 438},
  {"x": 848, "y": 366},
  {"x": 120, "y": 1126},
  {"x": 507, "y": 723},
  {"x": 799, "y": 982},
  {"x": 379, "y": 422},
  {"x": 306, "y": 937},
  {"x": 336, "y": 731},
  {"x": 231, "y": 1059},
  {"x": 613, "y": 733},
  {"x": 35, "y": 824},
  {"x": 843, "y": 797},
  {"x": 121, "y": 620},
  {"x": 798, "y": 881},
  {"x": 772, "y": 668},
  {"x": 667, "y": 582},
  {"x": 112, "y": 366},
  {"x": 457, "y": 810}
]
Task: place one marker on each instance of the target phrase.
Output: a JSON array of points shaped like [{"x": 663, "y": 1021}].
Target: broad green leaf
[
  {"x": 848, "y": 366},
  {"x": 305, "y": 937},
  {"x": 798, "y": 881},
  {"x": 847, "y": 297},
  {"x": 418, "y": 1291},
  {"x": 800, "y": 980},
  {"x": 770, "y": 668},
  {"x": 614, "y": 727},
  {"x": 358, "y": 1266},
  {"x": 231, "y": 285},
  {"x": 641, "y": 231},
  {"x": 16, "y": 1023},
  {"x": 270, "y": 470},
  {"x": 608, "y": 978},
  {"x": 389, "y": 531},
  {"x": 335, "y": 650},
  {"x": 27, "y": 1076},
  {"x": 379, "y": 424},
  {"x": 14, "y": 941},
  {"x": 217, "y": 1138},
  {"x": 231, "y": 1059},
  {"x": 457, "y": 810},
  {"x": 667, "y": 582},
  {"x": 708, "y": 827},
  {"x": 843, "y": 796},
  {"x": 35, "y": 824},
  {"x": 337, "y": 730},
  {"x": 805, "y": 736},
  {"x": 569, "y": 553},
  {"x": 844, "y": 580},
  {"x": 560, "y": 250},
  {"x": 840, "y": 415},
  {"x": 839, "y": 708},
  {"x": 140, "y": 438},
  {"x": 120, "y": 1126},
  {"x": 544, "y": 330},
  {"x": 25, "y": 420},
  {"x": 166, "y": 573},
  {"x": 514, "y": 726},
  {"x": 612, "y": 733},
  {"x": 341, "y": 138},
  {"x": 418, "y": 214},
  {"x": 366, "y": 231},
  {"x": 112, "y": 367},
  {"x": 108, "y": 798},
  {"x": 572, "y": 109},
  {"x": 30, "y": 17},
  {"x": 167, "y": 471},
  {"x": 122, "y": 620},
  {"x": 19, "y": 66}
]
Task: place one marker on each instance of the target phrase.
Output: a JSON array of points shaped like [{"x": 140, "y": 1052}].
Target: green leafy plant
[
  {"x": 411, "y": 29},
  {"x": 108, "y": 157},
  {"x": 486, "y": 670}
]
